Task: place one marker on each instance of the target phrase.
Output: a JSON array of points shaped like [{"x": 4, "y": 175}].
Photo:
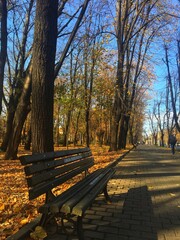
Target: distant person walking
[{"x": 172, "y": 142}]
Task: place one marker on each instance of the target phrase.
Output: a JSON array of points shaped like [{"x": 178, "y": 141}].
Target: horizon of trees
[
  {"x": 80, "y": 72},
  {"x": 164, "y": 115}
]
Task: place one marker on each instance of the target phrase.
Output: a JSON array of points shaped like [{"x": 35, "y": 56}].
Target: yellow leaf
[
  {"x": 16, "y": 208},
  {"x": 24, "y": 221},
  {"x": 2, "y": 206},
  {"x": 172, "y": 194},
  {"x": 33, "y": 236},
  {"x": 39, "y": 233}
]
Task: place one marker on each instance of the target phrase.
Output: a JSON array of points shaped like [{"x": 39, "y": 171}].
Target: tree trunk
[
  {"x": 118, "y": 99},
  {"x": 155, "y": 138},
  {"x": 131, "y": 134},
  {"x": 87, "y": 128},
  {"x": 3, "y": 47},
  {"x": 19, "y": 94},
  {"x": 11, "y": 110},
  {"x": 117, "y": 107},
  {"x": 10, "y": 117},
  {"x": 27, "y": 145},
  {"x": 44, "y": 50},
  {"x": 171, "y": 91},
  {"x": 124, "y": 127},
  {"x": 19, "y": 119},
  {"x": 57, "y": 134},
  {"x": 107, "y": 132},
  {"x": 15, "y": 103},
  {"x": 114, "y": 132},
  {"x": 66, "y": 135},
  {"x": 76, "y": 128},
  {"x": 121, "y": 134}
]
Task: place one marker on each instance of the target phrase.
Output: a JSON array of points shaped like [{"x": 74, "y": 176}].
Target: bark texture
[
  {"x": 44, "y": 50},
  {"x": 3, "y": 47}
]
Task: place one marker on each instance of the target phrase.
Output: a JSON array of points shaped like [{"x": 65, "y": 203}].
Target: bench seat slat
[
  {"x": 49, "y": 175},
  {"x": 57, "y": 203},
  {"x": 27, "y": 159},
  {"x": 81, "y": 207},
  {"x": 68, "y": 206}
]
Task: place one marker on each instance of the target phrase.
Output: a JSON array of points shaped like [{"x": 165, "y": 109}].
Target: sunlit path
[
  {"x": 158, "y": 171},
  {"x": 146, "y": 199}
]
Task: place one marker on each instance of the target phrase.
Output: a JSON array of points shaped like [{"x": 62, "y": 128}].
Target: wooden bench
[{"x": 45, "y": 171}]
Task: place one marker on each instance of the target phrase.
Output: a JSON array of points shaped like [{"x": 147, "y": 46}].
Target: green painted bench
[{"x": 46, "y": 171}]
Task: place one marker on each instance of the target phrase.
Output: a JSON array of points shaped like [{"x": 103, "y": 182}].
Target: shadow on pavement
[{"x": 138, "y": 212}]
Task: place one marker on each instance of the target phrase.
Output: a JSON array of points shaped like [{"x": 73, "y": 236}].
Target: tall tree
[
  {"x": 136, "y": 24},
  {"x": 18, "y": 122},
  {"x": 19, "y": 80},
  {"x": 132, "y": 17},
  {"x": 73, "y": 76},
  {"x": 160, "y": 119},
  {"x": 20, "y": 115},
  {"x": 3, "y": 47},
  {"x": 172, "y": 94},
  {"x": 44, "y": 50}
]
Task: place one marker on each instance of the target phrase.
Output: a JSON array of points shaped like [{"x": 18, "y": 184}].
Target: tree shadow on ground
[{"x": 138, "y": 215}]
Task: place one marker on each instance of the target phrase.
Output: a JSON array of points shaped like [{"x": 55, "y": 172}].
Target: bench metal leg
[
  {"x": 107, "y": 197},
  {"x": 44, "y": 219},
  {"x": 49, "y": 223},
  {"x": 70, "y": 226},
  {"x": 80, "y": 232}
]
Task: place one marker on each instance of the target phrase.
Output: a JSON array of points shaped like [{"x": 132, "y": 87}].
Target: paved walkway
[{"x": 146, "y": 200}]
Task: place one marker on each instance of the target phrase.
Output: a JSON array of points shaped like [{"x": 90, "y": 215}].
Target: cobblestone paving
[{"x": 145, "y": 194}]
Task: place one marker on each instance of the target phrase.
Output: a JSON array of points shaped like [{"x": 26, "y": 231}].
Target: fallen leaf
[
  {"x": 2, "y": 206},
  {"x": 16, "y": 208},
  {"x": 39, "y": 233},
  {"x": 24, "y": 221},
  {"x": 172, "y": 194}
]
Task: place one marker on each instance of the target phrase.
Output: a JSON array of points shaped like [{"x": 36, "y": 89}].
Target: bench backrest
[{"x": 45, "y": 171}]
